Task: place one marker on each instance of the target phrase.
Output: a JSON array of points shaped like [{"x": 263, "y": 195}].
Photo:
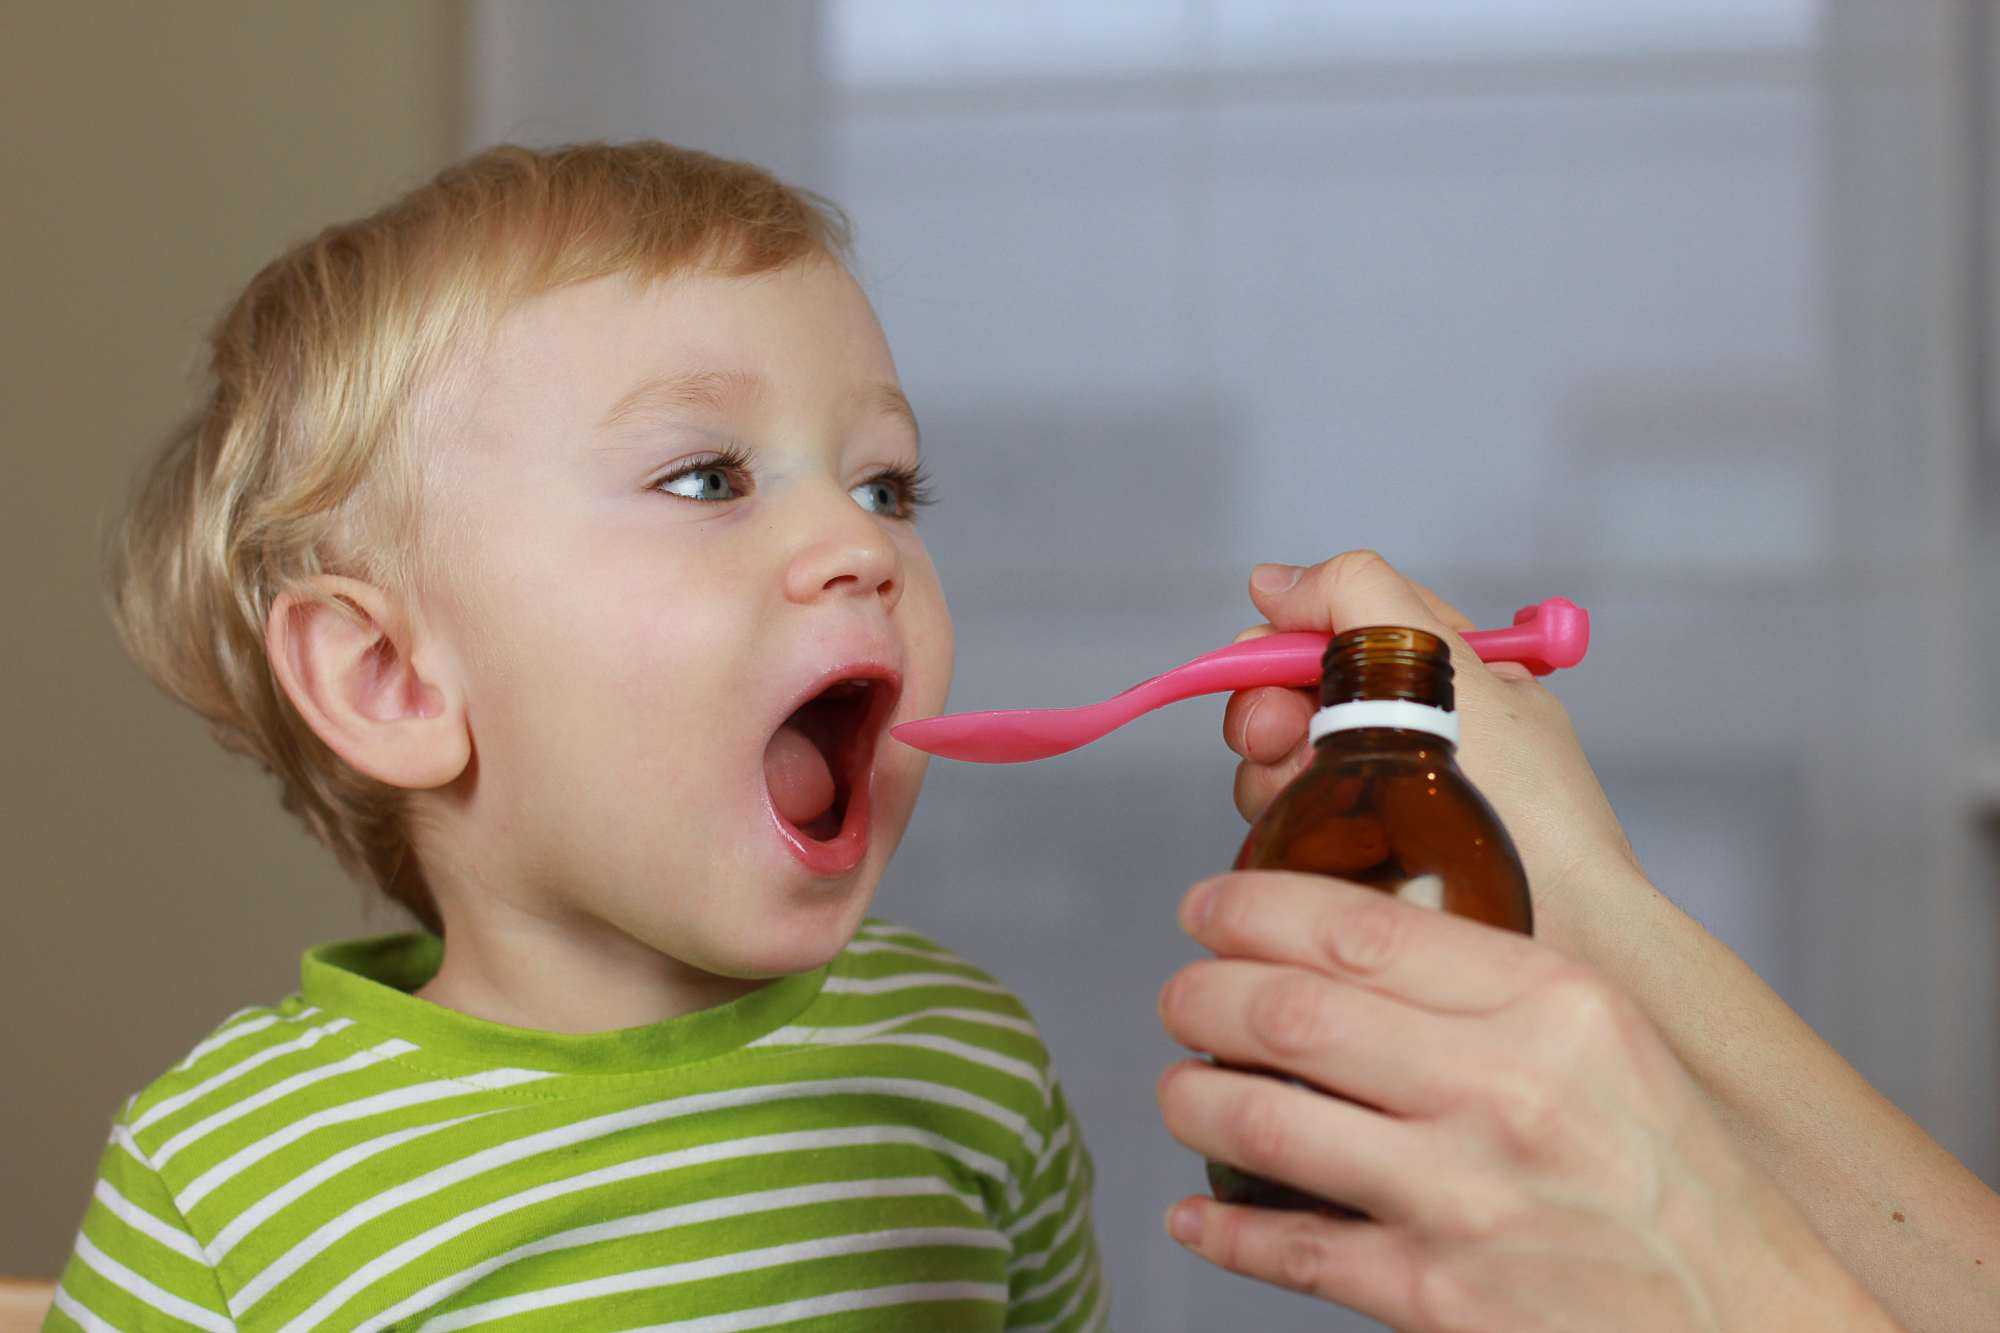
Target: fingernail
[
  {"x": 1250, "y": 720},
  {"x": 1274, "y": 578},
  {"x": 1184, "y": 1223},
  {"x": 1200, "y": 905}
]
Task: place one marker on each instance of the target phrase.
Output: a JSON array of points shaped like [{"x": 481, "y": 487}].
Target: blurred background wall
[
  {"x": 153, "y": 158},
  {"x": 1681, "y": 308}
]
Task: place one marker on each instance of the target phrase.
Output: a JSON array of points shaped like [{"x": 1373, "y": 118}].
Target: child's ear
[{"x": 344, "y": 654}]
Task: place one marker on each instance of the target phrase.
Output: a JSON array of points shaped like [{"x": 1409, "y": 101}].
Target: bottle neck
[
  {"x": 1386, "y": 677},
  {"x": 1386, "y": 662}
]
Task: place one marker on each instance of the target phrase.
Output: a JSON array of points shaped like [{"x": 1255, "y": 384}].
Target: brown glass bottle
[{"x": 1383, "y": 803}]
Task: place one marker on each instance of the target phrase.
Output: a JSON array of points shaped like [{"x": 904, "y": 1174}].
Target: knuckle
[
  {"x": 1179, "y": 1112},
  {"x": 1366, "y": 936},
  {"x": 1230, "y": 918},
  {"x": 1526, "y": 1113},
  {"x": 1232, "y": 728},
  {"x": 1441, "y": 1297},
  {"x": 1583, "y": 1015},
  {"x": 1252, "y": 789},
  {"x": 1636, "y": 1180},
  {"x": 1223, "y": 1237},
  {"x": 1258, "y": 1130},
  {"x": 1362, "y": 562},
  {"x": 1181, "y": 995},
  {"x": 1476, "y": 1212},
  {"x": 1301, "y": 1256},
  {"x": 1289, "y": 1014}
]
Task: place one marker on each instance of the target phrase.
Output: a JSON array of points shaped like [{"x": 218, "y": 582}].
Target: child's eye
[
  {"x": 709, "y": 479},
  {"x": 898, "y": 493},
  {"x": 702, "y": 483}
]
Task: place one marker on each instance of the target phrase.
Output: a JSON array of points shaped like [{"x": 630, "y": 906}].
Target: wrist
[
  {"x": 1596, "y": 908},
  {"x": 1756, "y": 1258}
]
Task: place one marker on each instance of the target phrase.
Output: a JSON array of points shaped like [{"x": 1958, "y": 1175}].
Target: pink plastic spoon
[{"x": 1543, "y": 638}]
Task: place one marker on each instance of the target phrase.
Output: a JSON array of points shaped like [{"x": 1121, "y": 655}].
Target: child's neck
[{"x": 527, "y": 971}]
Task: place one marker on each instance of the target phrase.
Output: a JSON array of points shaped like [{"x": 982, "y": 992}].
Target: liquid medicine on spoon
[{"x": 1384, "y": 804}]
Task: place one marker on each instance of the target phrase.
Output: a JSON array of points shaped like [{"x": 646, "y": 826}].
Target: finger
[
  {"x": 1257, "y": 784},
  {"x": 1367, "y": 937},
  {"x": 1254, "y": 632},
  {"x": 1442, "y": 609},
  {"x": 1462, "y": 623},
  {"x": 1267, "y": 723},
  {"x": 1327, "y": 1147},
  {"x": 1348, "y": 1040},
  {"x": 1363, "y": 1265},
  {"x": 1361, "y": 588},
  {"x": 1350, "y": 590}
]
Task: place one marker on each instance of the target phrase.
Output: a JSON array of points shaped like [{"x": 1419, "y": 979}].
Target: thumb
[{"x": 1349, "y": 591}]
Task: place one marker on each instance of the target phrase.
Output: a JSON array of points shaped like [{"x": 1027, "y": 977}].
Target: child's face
[{"x": 634, "y": 618}]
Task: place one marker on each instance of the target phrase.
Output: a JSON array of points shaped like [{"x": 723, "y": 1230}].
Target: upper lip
[{"x": 862, "y": 665}]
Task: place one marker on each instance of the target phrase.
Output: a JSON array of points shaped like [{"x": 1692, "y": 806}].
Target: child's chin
[{"x": 811, "y": 929}]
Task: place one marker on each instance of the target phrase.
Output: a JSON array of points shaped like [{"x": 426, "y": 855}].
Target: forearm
[{"x": 1901, "y": 1213}]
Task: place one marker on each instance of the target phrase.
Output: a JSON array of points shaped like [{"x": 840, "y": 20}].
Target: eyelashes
[
  {"x": 912, "y": 485},
  {"x": 915, "y": 484}
]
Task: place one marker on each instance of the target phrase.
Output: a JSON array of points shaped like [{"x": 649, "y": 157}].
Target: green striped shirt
[{"x": 878, "y": 1144}]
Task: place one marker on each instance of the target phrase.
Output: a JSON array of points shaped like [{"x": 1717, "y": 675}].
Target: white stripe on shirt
[
  {"x": 201, "y": 1129},
  {"x": 884, "y": 931},
  {"x": 360, "y": 1109},
  {"x": 804, "y": 1035},
  {"x": 764, "y": 1145},
  {"x": 146, "y": 1293},
  {"x": 1094, "y": 1280},
  {"x": 564, "y": 1136},
  {"x": 766, "y": 1316},
  {"x": 140, "y": 1220},
  {"x": 696, "y": 1270},
  {"x": 907, "y": 981},
  {"x": 258, "y": 1213},
  {"x": 305, "y": 1041},
  {"x": 85, "y": 1320},
  {"x": 226, "y": 1034},
  {"x": 667, "y": 1219}
]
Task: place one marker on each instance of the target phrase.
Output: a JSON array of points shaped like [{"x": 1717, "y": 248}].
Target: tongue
[{"x": 801, "y": 783}]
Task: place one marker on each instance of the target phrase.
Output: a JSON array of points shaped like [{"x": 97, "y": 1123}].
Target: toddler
[{"x": 550, "y": 535}]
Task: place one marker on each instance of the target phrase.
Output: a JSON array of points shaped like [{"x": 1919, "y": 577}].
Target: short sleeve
[
  {"x": 1055, "y": 1281},
  {"x": 136, "y": 1267}
]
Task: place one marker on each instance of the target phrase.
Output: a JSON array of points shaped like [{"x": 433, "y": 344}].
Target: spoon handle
[
  {"x": 1276, "y": 659},
  {"x": 1543, "y": 637}
]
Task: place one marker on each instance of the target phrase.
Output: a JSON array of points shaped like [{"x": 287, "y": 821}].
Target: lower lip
[{"x": 841, "y": 853}]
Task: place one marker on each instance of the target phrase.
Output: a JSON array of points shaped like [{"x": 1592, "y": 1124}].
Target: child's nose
[{"x": 853, "y": 558}]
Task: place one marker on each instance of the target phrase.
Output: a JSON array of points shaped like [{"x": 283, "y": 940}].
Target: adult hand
[
  {"x": 1528, "y": 1152},
  {"x": 1518, "y": 748}
]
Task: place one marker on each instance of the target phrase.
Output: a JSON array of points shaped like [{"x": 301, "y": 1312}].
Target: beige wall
[{"x": 154, "y": 156}]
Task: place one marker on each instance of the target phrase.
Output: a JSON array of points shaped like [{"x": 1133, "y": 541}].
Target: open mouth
[{"x": 817, "y": 764}]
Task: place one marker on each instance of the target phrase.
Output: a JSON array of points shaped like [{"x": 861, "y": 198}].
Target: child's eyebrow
[
  {"x": 713, "y": 390},
  {"x": 716, "y": 390},
  {"x": 891, "y": 401}
]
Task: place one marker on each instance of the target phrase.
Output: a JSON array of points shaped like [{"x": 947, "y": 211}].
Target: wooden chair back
[{"x": 24, "y": 1303}]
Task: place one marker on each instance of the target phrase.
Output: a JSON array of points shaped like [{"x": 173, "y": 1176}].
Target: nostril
[{"x": 837, "y": 569}]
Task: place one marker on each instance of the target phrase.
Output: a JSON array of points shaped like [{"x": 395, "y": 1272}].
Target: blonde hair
[{"x": 304, "y": 455}]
